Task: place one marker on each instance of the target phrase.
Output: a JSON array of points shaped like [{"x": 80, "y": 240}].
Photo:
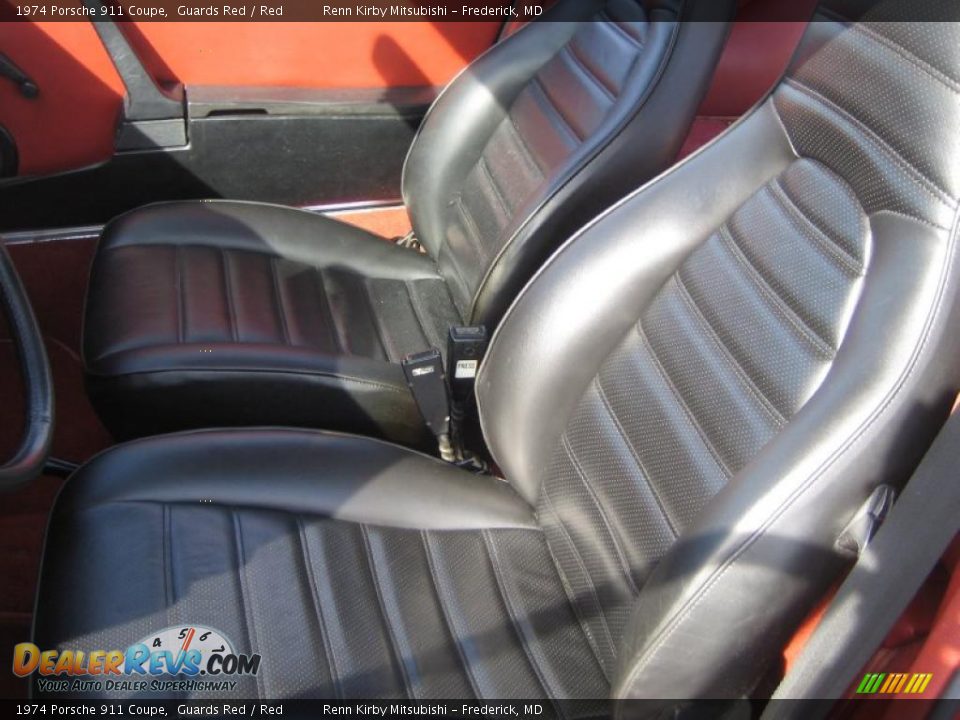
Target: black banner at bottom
[{"x": 532, "y": 709}]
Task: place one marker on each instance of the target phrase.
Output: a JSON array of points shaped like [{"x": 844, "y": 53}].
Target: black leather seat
[
  {"x": 689, "y": 403},
  {"x": 229, "y": 313}
]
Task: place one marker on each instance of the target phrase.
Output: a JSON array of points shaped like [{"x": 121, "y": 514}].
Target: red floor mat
[
  {"x": 55, "y": 275},
  {"x": 78, "y": 433},
  {"x": 23, "y": 520}
]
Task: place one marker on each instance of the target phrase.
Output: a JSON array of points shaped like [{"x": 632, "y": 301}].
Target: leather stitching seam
[
  {"x": 586, "y": 72},
  {"x": 551, "y": 103},
  {"x": 228, "y": 294},
  {"x": 920, "y": 64},
  {"x": 178, "y": 289},
  {"x": 619, "y": 29},
  {"x": 662, "y": 371},
  {"x": 645, "y": 476},
  {"x": 378, "y": 593},
  {"x": 823, "y": 243},
  {"x": 772, "y": 298},
  {"x": 525, "y": 150},
  {"x": 243, "y": 582},
  {"x": 601, "y": 614},
  {"x": 445, "y": 613},
  {"x": 472, "y": 229},
  {"x": 766, "y": 403},
  {"x": 492, "y": 182},
  {"x": 318, "y": 607},
  {"x": 278, "y": 301},
  {"x": 324, "y": 295},
  {"x": 920, "y": 179},
  {"x": 614, "y": 537},
  {"x": 508, "y": 605}
]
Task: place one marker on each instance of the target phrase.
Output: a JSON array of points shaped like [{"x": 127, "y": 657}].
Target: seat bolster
[
  {"x": 254, "y": 358},
  {"x": 305, "y": 472},
  {"x": 283, "y": 232},
  {"x": 168, "y": 388}
]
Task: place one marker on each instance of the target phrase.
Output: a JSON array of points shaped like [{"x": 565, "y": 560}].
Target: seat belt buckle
[
  {"x": 466, "y": 347},
  {"x": 427, "y": 382}
]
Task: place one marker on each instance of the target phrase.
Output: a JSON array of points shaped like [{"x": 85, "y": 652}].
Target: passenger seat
[{"x": 214, "y": 313}]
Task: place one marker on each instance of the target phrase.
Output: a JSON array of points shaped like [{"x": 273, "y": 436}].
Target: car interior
[{"x": 605, "y": 360}]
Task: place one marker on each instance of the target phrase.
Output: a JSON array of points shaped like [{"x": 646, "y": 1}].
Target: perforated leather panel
[
  {"x": 734, "y": 344},
  {"x": 367, "y": 612}
]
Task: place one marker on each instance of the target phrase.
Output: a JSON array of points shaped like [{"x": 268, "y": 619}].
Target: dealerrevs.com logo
[{"x": 176, "y": 659}]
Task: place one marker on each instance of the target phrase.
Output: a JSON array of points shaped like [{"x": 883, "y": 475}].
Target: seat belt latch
[
  {"x": 860, "y": 530},
  {"x": 466, "y": 347},
  {"x": 427, "y": 381}
]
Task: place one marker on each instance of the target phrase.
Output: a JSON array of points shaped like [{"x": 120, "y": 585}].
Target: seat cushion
[
  {"x": 229, "y": 313},
  {"x": 354, "y": 567}
]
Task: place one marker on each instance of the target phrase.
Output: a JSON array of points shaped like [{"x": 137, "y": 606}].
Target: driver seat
[{"x": 689, "y": 403}]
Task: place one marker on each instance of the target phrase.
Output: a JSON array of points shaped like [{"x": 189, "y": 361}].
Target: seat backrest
[
  {"x": 702, "y": 387},
  {"x": 548, "y": 128}
]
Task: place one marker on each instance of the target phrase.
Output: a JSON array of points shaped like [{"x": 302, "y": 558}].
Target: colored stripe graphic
[
  {"x": 901, "y": 682},
  {"x": 870, "y": 683},
  {"x": 891, "y": 680},
  {"x": 894, "y": 683}
]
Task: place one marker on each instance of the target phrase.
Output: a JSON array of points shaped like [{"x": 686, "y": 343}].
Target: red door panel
[
  {"x": 72, "y": 123},
  {"x": 312, "y": 55}
]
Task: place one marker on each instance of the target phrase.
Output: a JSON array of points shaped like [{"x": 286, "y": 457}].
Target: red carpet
[
  {"x": 23, "y": 519},
  {"x": 78, "y": 433},
  {"x": 55, "y": 275}
]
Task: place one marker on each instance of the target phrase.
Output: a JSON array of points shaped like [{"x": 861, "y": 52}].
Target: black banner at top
[
  {"x": 271, "y": 10},
  {"x": 398, "y": 10},
  {"x": 468, "y": 709}
]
